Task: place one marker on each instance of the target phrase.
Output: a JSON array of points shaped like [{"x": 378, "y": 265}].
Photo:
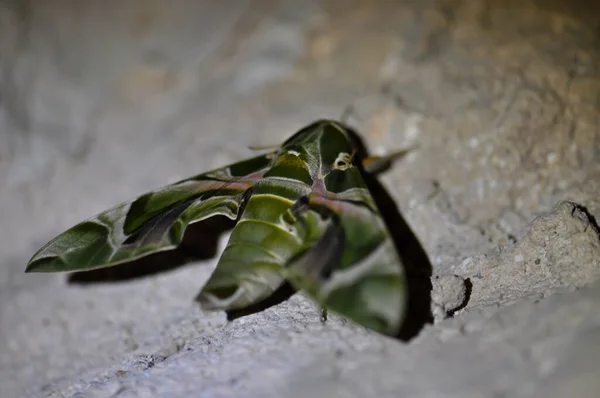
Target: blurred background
[{"x": 102, "y": 101}]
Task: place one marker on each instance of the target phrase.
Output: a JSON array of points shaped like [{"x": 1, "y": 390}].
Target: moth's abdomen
[
  {"x": 262, "y": 234},
  {"x": 260, "y": 245}
]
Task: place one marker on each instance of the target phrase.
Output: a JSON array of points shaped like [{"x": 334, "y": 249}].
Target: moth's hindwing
[{"x": 153, "y": 222}]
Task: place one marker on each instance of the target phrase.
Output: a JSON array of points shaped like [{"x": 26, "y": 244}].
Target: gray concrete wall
[{"x": 101, "y": 101}]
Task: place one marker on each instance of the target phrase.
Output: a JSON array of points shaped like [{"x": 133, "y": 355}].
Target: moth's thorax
[{"x": 313, "y": 154}]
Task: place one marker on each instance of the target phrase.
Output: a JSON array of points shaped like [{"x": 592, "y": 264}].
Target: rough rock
[
  {"x": 100, "y": 102},
  {"x": 448, "y": 294},
  {"x": 561, "y": 250}
]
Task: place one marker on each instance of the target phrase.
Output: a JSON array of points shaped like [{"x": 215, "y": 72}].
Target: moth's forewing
[{"x": 151, "y": 223}]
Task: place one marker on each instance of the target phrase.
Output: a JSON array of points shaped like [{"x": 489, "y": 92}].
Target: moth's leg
[
  {"x": 315, "y": 264},
  {"x": 323, "y": 315},
  {"x": 300, "y": 207},
  {"x": 294, "y": 214},
  {"x": 378, "y": 164}
]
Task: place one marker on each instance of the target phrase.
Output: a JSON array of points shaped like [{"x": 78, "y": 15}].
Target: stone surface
[
  {"x": 101, "y": 102},
  {"x": 561, "y": 249},
  {"x": 448, "y": 294}
]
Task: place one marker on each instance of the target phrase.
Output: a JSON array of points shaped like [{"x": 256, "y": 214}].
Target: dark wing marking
[{"x": 154, "y": 222}]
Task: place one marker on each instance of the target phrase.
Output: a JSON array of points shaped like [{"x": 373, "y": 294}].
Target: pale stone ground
[{"x": 101, "y": 101}]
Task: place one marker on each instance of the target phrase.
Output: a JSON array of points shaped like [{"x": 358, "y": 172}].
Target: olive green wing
[
  {"x": 354, "y": 268},
  {"x": 153, "y": 222}
]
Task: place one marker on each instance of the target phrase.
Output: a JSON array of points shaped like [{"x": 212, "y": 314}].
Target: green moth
[{"x": 304, "y": 217}]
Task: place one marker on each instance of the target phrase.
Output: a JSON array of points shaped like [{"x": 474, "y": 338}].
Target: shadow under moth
[{"x": 304, "y": 217}]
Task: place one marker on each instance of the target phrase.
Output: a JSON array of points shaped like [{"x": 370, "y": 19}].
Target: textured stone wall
[{"x": 101, "y": 101}]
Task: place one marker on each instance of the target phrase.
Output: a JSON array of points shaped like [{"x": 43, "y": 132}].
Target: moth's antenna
[
  {"x": 263, "y": 147},
  {"x": 348, "y": 111}
]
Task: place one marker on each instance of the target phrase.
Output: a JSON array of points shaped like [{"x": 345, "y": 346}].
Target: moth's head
[{"x": 325, "y": 145}]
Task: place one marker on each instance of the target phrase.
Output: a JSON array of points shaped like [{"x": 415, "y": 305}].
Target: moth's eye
[{"x": 342, "y": 162}]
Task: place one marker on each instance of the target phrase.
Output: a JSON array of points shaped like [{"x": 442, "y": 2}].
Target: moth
[{"x": 304, "y": 217}]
